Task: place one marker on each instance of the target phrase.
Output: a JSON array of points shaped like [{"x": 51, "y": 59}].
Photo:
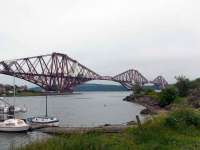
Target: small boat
[
  {"x": 13, "y": 125},
  {"x": 48, "y": 121},
  {"x": 44, "y": 120}
]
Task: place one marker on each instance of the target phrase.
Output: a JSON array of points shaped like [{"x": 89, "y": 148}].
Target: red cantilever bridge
[{"x": 58, "y": 72}]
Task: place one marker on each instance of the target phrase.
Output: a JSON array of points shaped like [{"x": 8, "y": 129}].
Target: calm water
[{"x": 77, "y": 110}]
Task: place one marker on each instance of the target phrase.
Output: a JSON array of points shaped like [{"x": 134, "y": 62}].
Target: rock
[
  {"x": 129, "y": 98},
  {"x": 106, "y": 125},
  {"x": 150, "y": 103},
  {"x": 196, "y": 104},
  {"x": 168, "y": 107},
  {"x": 194, "y": 98},
  {"x": 131, "y": 123},
  {"x": 146, "y": 111}
]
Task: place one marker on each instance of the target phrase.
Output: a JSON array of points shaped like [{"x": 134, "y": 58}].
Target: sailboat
[
  {"x": 12, "y": 124},
  {"x": 44, "y": 120}
]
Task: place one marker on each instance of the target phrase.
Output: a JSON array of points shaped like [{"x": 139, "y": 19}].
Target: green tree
[
  {"x": 167, "y": 96},
  {"x": 183, "y": 85}
]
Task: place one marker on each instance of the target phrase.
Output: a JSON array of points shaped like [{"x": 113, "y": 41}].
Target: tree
[
  {"x": 183, "y": 85},
  {"x": 167, "y": 96}
]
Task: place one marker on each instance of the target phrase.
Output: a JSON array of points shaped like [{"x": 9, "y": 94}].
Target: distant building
[
  {"x": 8, "y": 89},
  {"x": 22, "y": 88}
]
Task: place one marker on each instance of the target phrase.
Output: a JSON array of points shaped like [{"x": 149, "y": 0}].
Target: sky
[{"x": 156, "y": 37}]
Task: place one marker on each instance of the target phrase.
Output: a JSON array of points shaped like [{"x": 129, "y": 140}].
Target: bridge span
[{"x": 59, "y": 72}]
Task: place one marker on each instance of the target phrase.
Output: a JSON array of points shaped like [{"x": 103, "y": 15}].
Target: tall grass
[{"x": 91, "y": 141}]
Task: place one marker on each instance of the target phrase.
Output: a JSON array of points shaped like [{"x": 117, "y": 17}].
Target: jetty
[{"x": 72, "y": 130}]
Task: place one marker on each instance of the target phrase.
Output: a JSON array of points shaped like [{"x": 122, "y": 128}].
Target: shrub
[
  {"x": 167, "y": 96},
  {"x": 137, "y": 89},
  {"x": 148, "y": 90},
  {"x": 152, "y": 94},
  {"x": 183, "y": 118},
  {"x": 183, "y": 85}
]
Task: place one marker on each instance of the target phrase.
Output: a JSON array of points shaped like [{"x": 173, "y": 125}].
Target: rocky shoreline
[{"x": 151, "y": 104}]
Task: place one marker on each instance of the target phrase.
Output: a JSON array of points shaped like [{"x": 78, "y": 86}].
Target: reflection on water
[{"x": 78, "y": 109}]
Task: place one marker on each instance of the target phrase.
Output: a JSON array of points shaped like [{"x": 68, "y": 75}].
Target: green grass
[
  {"x": 154, "y": 95},
  {"x": 180, "y": 101},
  {"x": 29, "y": 93},
  {"x": 156, "y": 134},
  {"x": 91, "y": 141}
]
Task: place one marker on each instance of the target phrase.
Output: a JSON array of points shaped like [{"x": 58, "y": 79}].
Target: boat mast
[
  {"x": 46, "y": 107},
  {"x": 14, "y": 90},
  {"x": 14, "y": 94}
]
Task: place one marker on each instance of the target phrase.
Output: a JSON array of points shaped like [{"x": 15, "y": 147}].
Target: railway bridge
[{"x": 59, "y": 72}]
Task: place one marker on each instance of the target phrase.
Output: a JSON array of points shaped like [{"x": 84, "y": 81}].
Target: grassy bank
[
  {"x": 29, "y": 93},
  {"x": 179, "y": 130}
]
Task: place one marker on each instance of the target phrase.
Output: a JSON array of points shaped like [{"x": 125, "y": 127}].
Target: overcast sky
[{"x": 157, "y": 37}]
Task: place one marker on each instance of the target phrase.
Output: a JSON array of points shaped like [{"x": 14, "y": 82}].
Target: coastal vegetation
[{"x": 178, "y": 130}]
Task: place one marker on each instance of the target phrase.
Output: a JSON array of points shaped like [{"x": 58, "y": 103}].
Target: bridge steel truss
[
  {"x": 58, "y": 72},
  {"x": 129, "y": 78},
  {"x": 160, "y": 82}
]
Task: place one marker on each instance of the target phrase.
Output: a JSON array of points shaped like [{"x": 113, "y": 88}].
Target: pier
[{"x": 72, "y": 130}]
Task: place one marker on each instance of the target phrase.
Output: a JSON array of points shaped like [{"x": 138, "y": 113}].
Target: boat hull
[
  {"x": 53, "y": 124},
  {"x": 14, "y": 129},
  {"x": 44, "y": 121}
]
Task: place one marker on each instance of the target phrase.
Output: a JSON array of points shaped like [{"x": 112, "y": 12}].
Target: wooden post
[{"x": 139, "y": 122}]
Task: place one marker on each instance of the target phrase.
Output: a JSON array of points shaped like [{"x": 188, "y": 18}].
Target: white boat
[
  {"x": 46, "y": 120},
  {"x": 13, "y": 125}
]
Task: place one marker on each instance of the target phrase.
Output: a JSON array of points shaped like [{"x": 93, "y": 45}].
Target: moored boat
[
  {"x": 48, "y": 121},
  {"x": 13, "y": 125},
  {"x": 45, "y": 120}
]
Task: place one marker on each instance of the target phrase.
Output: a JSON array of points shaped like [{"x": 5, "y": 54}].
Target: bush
[
  {"x": 153, "y": 94},
  {"x": 148, "y": 90},
  {"x": 167, "y": 96},
  {"x": 138, "y": 89},
  {"x": 183, "y": 118},
  {"x": 183, "y": 85}
]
